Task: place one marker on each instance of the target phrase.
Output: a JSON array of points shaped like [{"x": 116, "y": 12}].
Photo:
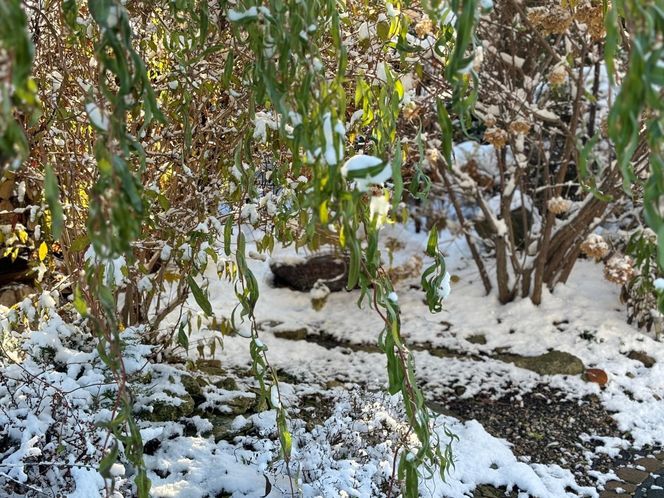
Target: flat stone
[
  {"x": 624, "y": 486},
  {"x": 551, "y": 363},
  {"x": 292, "y": 334},
  {"x": 632, "y": 475},
  {"x": 650, "y": 464},
  {"x": 613, "y": 494},
  {"x": 301, "y": 273},
  {"x": 476, "y": 339},
  {"x": 660, "y": 455},
  {"x": 647, "y": 360}
]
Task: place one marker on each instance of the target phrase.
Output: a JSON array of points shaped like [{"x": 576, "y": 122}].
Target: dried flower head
[
  {"x": 550, "y": 20},
  {"x": 519, "y": 126},
  {"x": 558, "y": 75},
  {"x": 433, "y": 156},
  {"x": 411, "y": 111},
  {"x": 424, "y": 27},
  {"x": 496, "y": 137},
  {"x": 619, "y": 270},
  {"x": 593, "y": 17},
  {"x": 559, "y": 205},
  {"x": 595, "y": 247},
  {"x": 490, "y": 120}
]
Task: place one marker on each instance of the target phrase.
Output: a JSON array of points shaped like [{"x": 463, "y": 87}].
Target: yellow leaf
[
  {"x": 171, "y": 277},
  {"x": 43, "y": 251},
  {"x": 22, "y": 236},
  {"x": 322, "y": 212}
]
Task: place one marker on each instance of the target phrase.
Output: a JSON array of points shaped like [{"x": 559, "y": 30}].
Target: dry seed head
[
  {"x": 619, "y": 270},
  {"x": 558, "y": 75},
  {"x": 519, "y": 126},
  {"x": 424, "y": 27},
  {"x": 593, "y": 17},
  {"x": 496, "y": 137},
  {"x": 410, "y": 111},
  {"x": 550, "y": 20},
  {"x": 595, "y": 247},
  {"x": 433, "y": 156},
  {"x": 559, "y": 205}
]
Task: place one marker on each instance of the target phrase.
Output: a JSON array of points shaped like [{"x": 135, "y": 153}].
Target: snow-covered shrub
[
  {"x": 644, "y": 291},
  {"x": 553, "y": 174}
]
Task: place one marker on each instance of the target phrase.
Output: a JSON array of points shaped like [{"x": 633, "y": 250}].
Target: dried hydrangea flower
[
  {"x": 595, "y": 247},
  {"x": 496, "y": 137},
  {"x": 550, "y": 20},
  {"x": 558, "y": 75},
  {"x": 519, "y": 126},
  {"x": 593, "y": 17},
  {"x": 424, "y": 27},
  {"x": 619, "y": 270},
  {"x": 559, "y": 205}
]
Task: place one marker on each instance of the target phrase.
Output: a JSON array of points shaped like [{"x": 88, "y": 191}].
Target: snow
[
  {"x": 89, "y": 484},
  {"x": 235, "y": 16},
  {"x": 97, "y": 118},
  {"x": 362, "y": 168}
]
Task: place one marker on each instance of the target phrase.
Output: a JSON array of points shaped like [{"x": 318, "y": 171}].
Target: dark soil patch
[{"x": 545, "y": 426}]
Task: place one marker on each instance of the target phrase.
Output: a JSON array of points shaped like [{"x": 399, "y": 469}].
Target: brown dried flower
[
  {"x": 424, "y": 27},
  {"x": 595, "y": 247},
  {"x": 619, "y": 270},
  {"x": 558, "y": 75},
  {"x": 559, "y": 205},
  {"x": 496, "y": 137},
  {"x": 433, "y": 156},
  {"x": 519, "y": 126},
  {"x": 593, "y": 17},
  {"x": 550, "y": 20}
]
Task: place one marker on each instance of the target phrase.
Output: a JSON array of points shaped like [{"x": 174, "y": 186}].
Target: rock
[
  {"x": 596, "y": 375},
  {"x": 477, "y": 339},
  {"x": 488, "y": 491},
  {"x": 242, "y": 403},
  {"x": 292, "y": 334},
  {"x": 632, "y": 475},
  {"x": 647, "y": 360},
  {"x": 12, "y": 294},
  {"x": 192, "y": 385},
  {"x": 163, "y": 411},
  {"x": 650, "y": 464},
  {"x": 227, "y": 383},
  {"x": 210, "y": 367},
  {"x": 551, "y": 363},
  {"x": 624, "y": 486},
  {"x": 302, "y": 273}
]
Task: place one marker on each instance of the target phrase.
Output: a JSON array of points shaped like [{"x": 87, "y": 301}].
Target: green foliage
[
  {"x": 19, "y": 92},
  {"x": 639, "y": 108}
]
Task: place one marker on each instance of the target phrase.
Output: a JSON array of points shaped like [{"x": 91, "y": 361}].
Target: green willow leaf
[{"x": 199, "y": 296}]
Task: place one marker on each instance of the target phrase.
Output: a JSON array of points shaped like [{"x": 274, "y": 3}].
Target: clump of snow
[{"x": 366, "y": 171}]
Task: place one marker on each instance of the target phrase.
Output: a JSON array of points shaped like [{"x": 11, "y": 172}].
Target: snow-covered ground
[{"x": 344, "y": 442}]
